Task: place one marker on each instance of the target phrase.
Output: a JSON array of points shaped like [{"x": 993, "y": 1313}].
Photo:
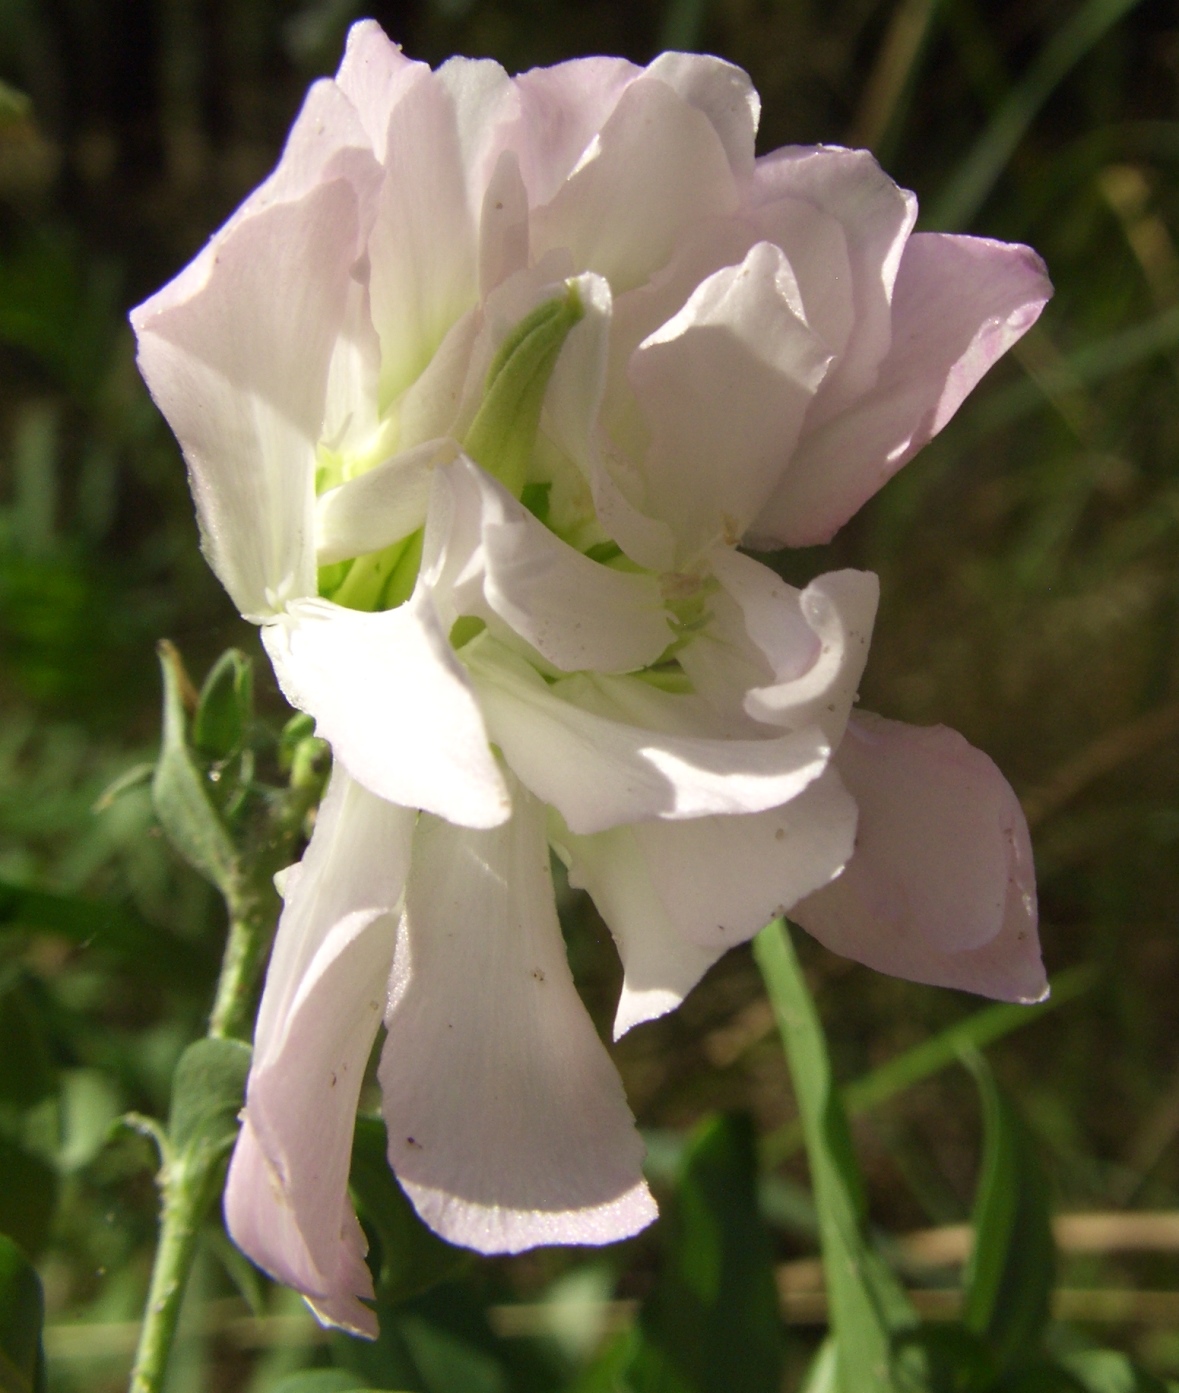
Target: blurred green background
[{"x": 1030, "y": 598}]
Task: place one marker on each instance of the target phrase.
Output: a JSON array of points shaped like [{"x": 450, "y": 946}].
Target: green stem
[{"x": 253, "y": 914}]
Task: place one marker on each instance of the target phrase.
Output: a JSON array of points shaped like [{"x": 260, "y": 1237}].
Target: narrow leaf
[
  {"x": 22, "y": 1313},
  {"x": 712, "y": 1325},
  {"x": 866, "y": 1302},
  {"x": 1011, "y": 1270}
]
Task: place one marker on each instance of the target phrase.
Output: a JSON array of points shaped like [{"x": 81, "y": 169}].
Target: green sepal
[
  {"x": 503, "y": 433},
  {"x": 226, "y": 706}
]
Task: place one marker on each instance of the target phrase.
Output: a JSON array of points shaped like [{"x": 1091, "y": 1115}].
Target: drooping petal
[
  {"x": 423, "y": 245},
  {"x": 941, "y": 888},
  {"x": 286, "y": 1199},
  {"x": 677, "y": 895},
  {"x": 599, "y": 770},
  {"x": 959, "y": 304},
  {"x": 240, "y": 369},
  {"x": 658, "y": 158},
  {"x": 574, "y": 612},
  {"x": 397, "y": 707},
  {"x": 724, "y": 386},
  {"x": 380, "y": 507},
  {"x": 507, "y": 1123}
]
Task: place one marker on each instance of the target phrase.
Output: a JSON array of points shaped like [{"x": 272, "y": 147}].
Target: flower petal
[
  {"x": 599, "y": 770},
  {"x": 658, "y": 158},
  {"x": 960, "y": 303},
  {"x": 507, "y": 1123},
  {"x": 286, "y": 1199},
  {"x": 240, "y": 368},
  {"x": 677, "y": 895},
  {"x": 941, "y": 888},
  {"x": 723, "y": 92},
  {"x": 378, "y": 508},
  {"x": 388, "y": 693},
  {"x": 724, "y": 386},
  {"x": 374, "y": 75}
]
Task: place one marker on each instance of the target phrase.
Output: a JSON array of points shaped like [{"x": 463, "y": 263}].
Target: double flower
[{"x": 478, "y": 394}]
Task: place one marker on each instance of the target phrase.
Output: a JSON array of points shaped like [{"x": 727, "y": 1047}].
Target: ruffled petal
[
  {"x": 397, "y": 707},
  {"x": 724, "y": 386},
  {"x": 941, "y": 888},
  {"x": 658, "y": 158},
  {"x": 239, "y": 366},
  {"x": 286, "y": 1199},
  {"x": 677, "y": 895},
  {"x": 574, "y": 612},
  {"x": 422, "y": 248},
  {"x": 508, "y": 1127},
  {"x": 599, "y": 770},
  {"x": 959, "y": 304}
]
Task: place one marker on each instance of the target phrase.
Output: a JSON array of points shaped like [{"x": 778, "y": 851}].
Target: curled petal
[
  {"x": 941, "y": 888},
  {"x": 576, "y": 747},
  {"x": 507, "y": 1123},
  {"x": 388, "y": 693},
  {"x": 286, "y": 1199}
]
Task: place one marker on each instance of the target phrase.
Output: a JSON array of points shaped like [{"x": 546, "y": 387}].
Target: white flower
[{"x": 478, "y": 393}]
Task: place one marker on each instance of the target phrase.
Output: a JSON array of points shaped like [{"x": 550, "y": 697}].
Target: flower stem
[{"x": 253, "y": 913}]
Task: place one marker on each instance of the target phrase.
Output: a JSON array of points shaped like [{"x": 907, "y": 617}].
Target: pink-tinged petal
[
  {"x": 422, "y": 248},
  {"x": 724, "y": 386},
  {"x": 397, "y": 707},
  {"x": 485, "y": 101},
  {"x": 876, "y": 217},
  {"x": 723, "y": 92},
  {"x": 677, "y": 895},
  {"x": 508, "y": 1127},
  {"x": 375, "y": 75},
  {"x": 239, "y": 367},
  {"x": 286, "y": 1200},
  {"x": 941, "y": 888},
  {"x": 380, "y": 507},
  {"x": 599, "y": 770},
  {"x": 574, "y": 612},
  {"x": 959, "y": 304},
  {"x": 503, "y": 225},
  {"x": 350, "y": 417},
  {"x": 658, "y": 159},
  {"x": 562, "y": 108}
]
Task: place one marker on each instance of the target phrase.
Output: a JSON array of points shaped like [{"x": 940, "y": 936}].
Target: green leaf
[
  {"x": 866, "y": 1302},
  {"x": 943, "y": 1359},
  {"x": 28, "y": 1195},
  {"x": 179, "y": 795},
  {"x": 711, "y": 1325},
  {"x": 226, "y": 706},
  {"x": 1012, "y": 1266},
  {"x": 823, "y": 1374},
  {"x": 22, "y": 1313},
  {"x": 1110, "y": 1371},
  {"x": 207, "y": 1092},
  {"x": 26, "y": 1070},
  {"x": 407, "y": 1257}
]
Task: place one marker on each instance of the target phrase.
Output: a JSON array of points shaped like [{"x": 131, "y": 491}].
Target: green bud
[{"x": 503, "y": 433}]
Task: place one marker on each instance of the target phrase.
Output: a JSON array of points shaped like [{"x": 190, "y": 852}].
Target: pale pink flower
[{"x": 729, "y": 348}]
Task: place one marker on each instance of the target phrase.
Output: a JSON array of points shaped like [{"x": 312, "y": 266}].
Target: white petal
[
  {"x": 422, "y": 248},
  {"x": 599, "y": 772},
  {"x": 723, "y": 92},
  {"x": 394, "y": 702},
  {"x": 724, "y": 387},
  {"x": 374, "y": 74},
  {"x": 655, "y": 168},
  {"x": 503, "y": 225},
  {"x": 380, "y": 507},
  {"x": 507, "y": 1123},
  {"x": 484, "y": 99},
  {"x": 286, "y": 1200},
  {"x": 350, "y": 408},
  {"x": 239, "y": 366},
  {"x": 941, "y": 888}
]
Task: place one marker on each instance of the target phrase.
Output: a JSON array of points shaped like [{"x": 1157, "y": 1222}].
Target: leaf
[
  {"x": 22, "y": 1314},
  {"x": 1012, "y": 1266},
  {"x": 142, "y": 947},
  {"x": 407, "y": 1257},
  {"x": 823, "y": 1374},
  {"x": 711, "y": 1325},
  {"x": 1110, "y": 1371},
  {"x": 943, "y": 1359},
  {"x": 225, "y": 707},
  {"x": 28, "y": 1195},
  {"x": 179, "y": 795},
  {"x": 207, "y": 1092},
  {"x": 26, "y": 1070},
  {"x": 866, "y": 1302}
]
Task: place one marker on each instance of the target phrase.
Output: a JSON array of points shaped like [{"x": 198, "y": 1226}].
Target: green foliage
[
  {"x": 1012, "y": 1266},
  {"x": 22, "y": 1309},
  {"x": 207, "y": 1092},
  {"x": 711, "y": 1325}
]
